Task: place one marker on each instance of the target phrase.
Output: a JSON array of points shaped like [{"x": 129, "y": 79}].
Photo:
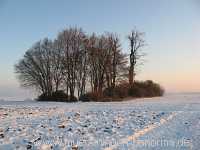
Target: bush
[
  {"x": 92, "y": 97},
  {"x": 58, "y": 96},
  {"x": 88, "y": 97},
  {"x": 120, "y": 91},
  {"x": 135, "y": 91},
  {"x": 139, "y": 89},
  {"x": 145, "y": 89}
]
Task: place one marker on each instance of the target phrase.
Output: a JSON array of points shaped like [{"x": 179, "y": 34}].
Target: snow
[{"x": 112, "y": 125}]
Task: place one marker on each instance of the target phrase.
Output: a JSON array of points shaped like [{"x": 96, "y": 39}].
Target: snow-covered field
[{"x": 170, "y": 122}]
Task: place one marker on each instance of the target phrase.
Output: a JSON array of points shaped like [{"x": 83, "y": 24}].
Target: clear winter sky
[{"x": 172, "y": 30}]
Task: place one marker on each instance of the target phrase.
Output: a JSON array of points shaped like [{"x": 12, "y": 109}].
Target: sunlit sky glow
[{"x": 172, "y": 30}]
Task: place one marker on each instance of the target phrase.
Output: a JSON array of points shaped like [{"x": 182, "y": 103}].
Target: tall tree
[
  {"x": 82, "y": 67},
  {"x": 57, "y": 66},
  {"x": 97, "y": 56},
  {"x": 72, "y": 45},
  {"x": 114, "y": 59},
  {"x": 136, "y": 43},
  {"x": 35, "y": 69}
]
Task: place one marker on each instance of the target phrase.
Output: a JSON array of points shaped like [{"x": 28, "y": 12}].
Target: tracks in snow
[{"x": 142, "y": 132}]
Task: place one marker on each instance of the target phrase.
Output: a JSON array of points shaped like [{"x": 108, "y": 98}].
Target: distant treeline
[{"x": 86, "y": 67}]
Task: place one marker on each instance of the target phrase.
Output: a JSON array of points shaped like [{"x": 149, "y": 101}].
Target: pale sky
[{"x": 172, "y": 30}]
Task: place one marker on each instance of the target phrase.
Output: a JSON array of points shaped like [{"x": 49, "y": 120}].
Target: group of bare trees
[{"x": 76, "y": 63}]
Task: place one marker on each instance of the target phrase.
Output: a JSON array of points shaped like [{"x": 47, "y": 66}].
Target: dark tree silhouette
[
  {"x": 136, "y": 43},
  {"x": 72, "y": 45},
  {"x": 35, "y": 69}
]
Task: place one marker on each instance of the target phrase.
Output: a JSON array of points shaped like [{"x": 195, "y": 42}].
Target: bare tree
[
  {"x": 97, "y": 53},
  {"x": 71, "y": 43},
  {"x": 105, "y": 61},
  {"x": 35, "y": 69},
  {"x": 82, "y": 66},
  {"x": 137, "y": 43},
  {"x": 57, "y": 66},
  {"x": 115, "y": 59}
]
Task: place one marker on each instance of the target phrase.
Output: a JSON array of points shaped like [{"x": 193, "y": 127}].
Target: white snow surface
[{"x": 169, "y": 122}]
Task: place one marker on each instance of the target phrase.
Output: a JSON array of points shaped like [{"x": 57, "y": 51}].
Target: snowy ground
[{"x": 171, "y": 122}]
